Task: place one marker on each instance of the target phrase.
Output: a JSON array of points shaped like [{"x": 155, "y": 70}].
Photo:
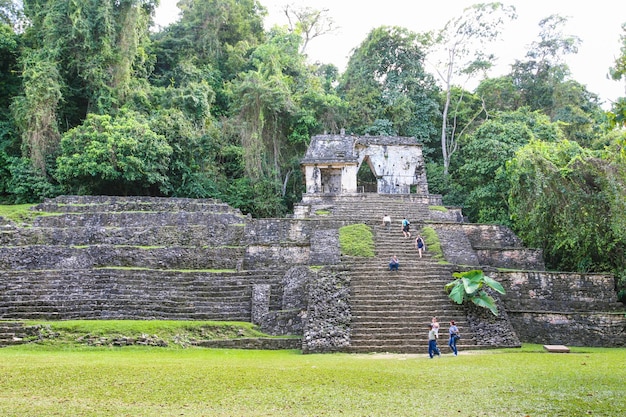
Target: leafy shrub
[
  {"x": 469, "y": 286},
  {"x": 26, "y": 184},
  {"x": 108, "y": 155}
]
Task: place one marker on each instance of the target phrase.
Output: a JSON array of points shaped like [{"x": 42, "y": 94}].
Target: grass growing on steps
[
  {"x": 18, "y": 213},
  {"x": 137, "y": 268},
  {"x": 21, "y": 214},
  {"x": 356, "y": 240},
  {"x": 433, "y": 245},
  {"x": 138, "y": 381},
  {"x": 172, "y": 332}
]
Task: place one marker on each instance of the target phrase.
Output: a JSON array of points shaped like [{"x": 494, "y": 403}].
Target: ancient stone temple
[
  {"x": 106, "y": 257},
  {"x": 332, "y": 162}
]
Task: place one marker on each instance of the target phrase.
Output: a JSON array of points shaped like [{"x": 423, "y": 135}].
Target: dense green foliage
[
  {"x": 570, "y": 201},
  {"x": 141, "y": 381},
  {"x": 386, "y": 85},
  {"x": 120, "y": 156},
  {"x": 93, "y": 100}
]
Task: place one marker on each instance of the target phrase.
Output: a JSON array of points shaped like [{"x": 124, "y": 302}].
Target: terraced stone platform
[
  {"x": 170, "y": 258},
  {"x": 130, "y": 258}
]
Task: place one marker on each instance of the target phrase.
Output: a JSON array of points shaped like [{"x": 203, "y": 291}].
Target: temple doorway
[{"x": 366, "y": 181}]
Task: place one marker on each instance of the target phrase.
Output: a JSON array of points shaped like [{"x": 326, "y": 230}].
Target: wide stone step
[
  {"x": 156, "y": 275},
  {"x": 379, "y": 290},
  {"x": 412, "y": 264},
  {"x": 393, "y": 279},
  {"x": 373, "y": 218},
  {"x": 85, "y": 204},
  {"x": 415, "y": 328},
  {"x": 221, "y": 234},
  {"x": 143, "y": 308},
  {"x": 414, "y": 285},
  {"x": 403, "y": 314},
  {"x": 64, "y": 257},
  {"x": 402, "y": 308},
  {"x": 391, "y": 341},
  {"x": 399, "y": 278},
  {"x": 407, "y": 294},
  {"x": 118, "y": 314},
  {"x": 402, "y": 297},
  {"x": 133, "y": 293},
  {"x": 420, "y": 319},
  {"x": 382, "y": 262},
  {"x": 135, "y": 219},
  {"x": 399, "y": 339},
  {"x": 126, "y": 296},
  {"x": 405, "y": 272},
  {"x": 419, "y": 336},
  {"x": 411, "y": 347}
]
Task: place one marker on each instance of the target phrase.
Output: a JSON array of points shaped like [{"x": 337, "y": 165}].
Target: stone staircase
[
  {"x": 391, "y": 310},
  {"x": 129, "y": 294},
  {"x": 129, "y": 258},
  {"x": 370, "y": 208}
]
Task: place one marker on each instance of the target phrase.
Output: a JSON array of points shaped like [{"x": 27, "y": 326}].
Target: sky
[{"x": 597, "y": 23}]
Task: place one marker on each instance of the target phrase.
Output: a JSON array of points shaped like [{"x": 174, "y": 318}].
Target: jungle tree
[
  {"x": 309, "y": 23},
  {"x": 461, "y": 46},
  {"x": 543, "y": 69},
  {"x": 385, "y": 80},
  {"x": 482, "y": 184},
  {"x": 570, "y": 202},
  {"x": 278, "y": 104},
  {"x": 113, "y": 156},
  {"x": 80, "y": 58},
  {"x": 618, "y": 72}
]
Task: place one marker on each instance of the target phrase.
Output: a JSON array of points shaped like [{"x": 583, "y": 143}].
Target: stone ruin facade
[{"x": 332, "y": 162}]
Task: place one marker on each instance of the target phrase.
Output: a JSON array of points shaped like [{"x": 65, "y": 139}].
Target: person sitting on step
[{"x": 393, "y": 263}]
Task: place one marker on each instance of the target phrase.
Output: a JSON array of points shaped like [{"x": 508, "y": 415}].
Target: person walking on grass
[
  {"x": 454, "y": 336},
  {"x": 433, "y": 349}
]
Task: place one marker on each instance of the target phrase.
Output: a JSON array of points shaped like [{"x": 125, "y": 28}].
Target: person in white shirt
[{"x": 387, "y": 221}]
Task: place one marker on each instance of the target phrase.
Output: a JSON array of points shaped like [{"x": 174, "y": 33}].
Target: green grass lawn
[{"x": 45, "y": 380}]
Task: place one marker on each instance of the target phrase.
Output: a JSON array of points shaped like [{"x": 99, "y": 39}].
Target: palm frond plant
[{"x": 470, "y": 286}]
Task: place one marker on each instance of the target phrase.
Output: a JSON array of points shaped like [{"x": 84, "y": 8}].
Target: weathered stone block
[{"x": 327, "y": 320}]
